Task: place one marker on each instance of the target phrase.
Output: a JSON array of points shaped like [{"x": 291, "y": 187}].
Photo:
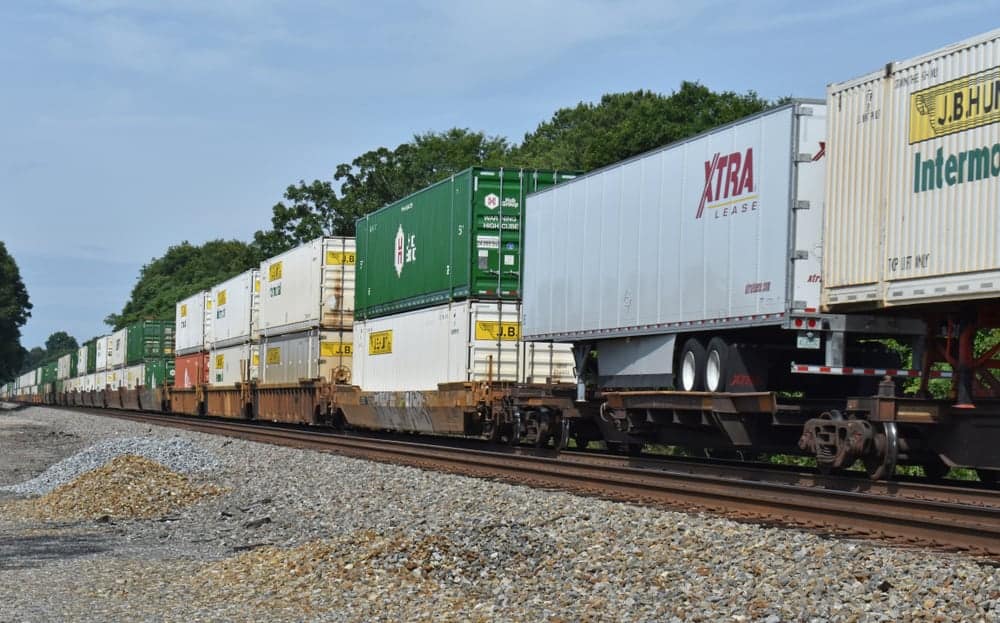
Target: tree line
[{"x": 580, "y": 138}]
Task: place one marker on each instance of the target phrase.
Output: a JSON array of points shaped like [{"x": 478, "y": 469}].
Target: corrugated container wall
[
  {"x": 193, "y": 324},
  {"x": 102, "y": 349},
  {"x": 66, "y": 366},
  {"x": 234, "y": 364},
  {"x": 310, "y": 286},
  {"x": 236, "y": 305},
  {"x": 150, "y": 339},
  {"x": 315, "y": 354},
  {"x": 697, "y": 231},
  {"x": 118, "y": 345},
  {"x": 191, "y": 370},
  {"x": 460, "y": 238},
  {"x": 455, "y": 342},
  {"x": 914, "y": 181}
]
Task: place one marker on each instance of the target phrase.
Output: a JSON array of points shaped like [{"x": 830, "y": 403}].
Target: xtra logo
[
  {"x": 405, "y": 250},
  {"x": 729, "y": 183}
]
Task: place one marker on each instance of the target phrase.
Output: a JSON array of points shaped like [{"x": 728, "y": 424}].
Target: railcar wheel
[
  {"x": 716, "y": 365},
  {"x": 880, "y": 463},
  {"x": 692, "y": 366}
]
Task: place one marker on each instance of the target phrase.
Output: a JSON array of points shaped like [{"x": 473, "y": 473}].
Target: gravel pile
[
  {"x": 299, "y": 536},
  {"x": 126, "y": 487},
  {"x": 175, "y": 453}
]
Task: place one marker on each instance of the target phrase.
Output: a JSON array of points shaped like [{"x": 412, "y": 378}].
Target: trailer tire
[
  {"x": 716, "y": 365},
  {"x": 691, "y": 366}
]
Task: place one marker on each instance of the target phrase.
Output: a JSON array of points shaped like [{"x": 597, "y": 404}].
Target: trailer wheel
[
  {"x": 716, "y": 365},
  {"x": 692, "y": 366}
]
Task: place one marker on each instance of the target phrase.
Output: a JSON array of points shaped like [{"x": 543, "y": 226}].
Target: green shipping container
[
  {"x": 159, "y": 372},
  {"x": 48, "y": 373},
  {"x": 460, "y": 238},
  {"x": 149, "y": 339},
  {"x": 91, "y": 357}
]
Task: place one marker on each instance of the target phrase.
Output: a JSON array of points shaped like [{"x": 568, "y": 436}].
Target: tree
[
  {"x": 60, "y": 343},
  {"x": 184, "y": 270},
  {"x": 372, "y": 180},
  {"x": 15, "y": 309},
  {"x": 621, "y": 125}
]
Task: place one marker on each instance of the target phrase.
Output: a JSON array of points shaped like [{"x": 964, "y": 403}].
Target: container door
[
  {"x": 497, "y": 203},
  {"x": 807, "y": 211}
]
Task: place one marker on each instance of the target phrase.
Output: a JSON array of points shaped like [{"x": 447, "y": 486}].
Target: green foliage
[
  {"x": 15, "y": 309},
  {"x": 621, "y": 125},
  {"x": 370, "y": 181},
  {"x": 184, "y": 270},
  {"x": 60, "y": 343}
]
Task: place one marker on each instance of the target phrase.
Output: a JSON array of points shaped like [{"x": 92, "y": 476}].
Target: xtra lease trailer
[{"x": 696, "y": 265}]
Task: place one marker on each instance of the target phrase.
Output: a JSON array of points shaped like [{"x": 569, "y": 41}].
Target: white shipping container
[
  {"x": 914, "y": 180},
  {"x": 696, "y": 233},
  {"x": 193, "y": 324},
  {"x": 307, "y": 287},
  {"x": 234, "y": 364},
  {"x": 236, "y": 304},
  {"x": 64, "y": 366},
  {"x": 117, "y": 347},
  {"x": 113, "y": 378},
  {"x": 103, "y": 350},
  {"x": 81, "y": 359},
  {"x": 463, "y": 341},
  {"x": 315, "y": 354}
]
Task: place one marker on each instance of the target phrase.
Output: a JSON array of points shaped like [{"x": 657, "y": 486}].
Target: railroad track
[{"x": 917, "y": 514}]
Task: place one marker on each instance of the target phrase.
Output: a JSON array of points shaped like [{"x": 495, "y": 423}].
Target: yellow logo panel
[
  {"x": 274, "y": 271},
  {"x": 338, "y": 258},
  {"x": 273, "y": 355},
  {"x": 336, "y": 349},
  {"x": 955, "y": 106},
  {"x": 220, "y": 298},
  {"x": 220, "y": 362},
  {"x": 184, "y": 310},
  {"x": 507, "y": 332},
  {"x": 380, "y": 343}
]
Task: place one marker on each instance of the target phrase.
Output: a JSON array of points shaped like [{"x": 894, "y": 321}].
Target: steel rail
[{"x": 965, "y": 526}]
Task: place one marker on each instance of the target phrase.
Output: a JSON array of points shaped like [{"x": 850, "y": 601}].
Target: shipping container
[
  {"x": 914, "y": 181},
  {"x": 102, "y": 349},
  {"x": 317, "y": 354},
  {"x": 47, "y": 373},
  {"x": 66, "y": 366},
  {"x": 459, "y": 238},
  {"x": 193, "y": 324},
  {"x": 86, "y": 358},
  {"x": 455, "y": 342},
  {"x": 234, "y": 364},
  {"x": 716, "y": 232},
  {"x": 191, "y": 370},
  {"x": 236, "y": 307},
  {"x": 150, "y": 339},
  {"x": 152, "y": 373},
  {"x": 117, "y": 348},
  {"x": 310, "y": 286}
]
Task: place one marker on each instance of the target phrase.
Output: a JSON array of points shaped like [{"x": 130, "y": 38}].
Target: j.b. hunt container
[
  {"x": 460, "y": 238},
  {"x": 313, "y": 355},
  {"x": 101, "y": 350},
  {"x": 914, "y": 181},
  {"x": 308, "y": 287},
  {"x": 236, "y": 306},
  {"x": 193, "y": 320},
  {"x": 66, "y": 366},
  {"x": 234, "y": 364},
  {"x": 452, "y": 343}
]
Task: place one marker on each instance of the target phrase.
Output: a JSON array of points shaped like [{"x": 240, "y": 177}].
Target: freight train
[{"x": 743, "y": 291}]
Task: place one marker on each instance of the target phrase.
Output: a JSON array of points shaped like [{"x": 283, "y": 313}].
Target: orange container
[{"x": 191, "y": 370}]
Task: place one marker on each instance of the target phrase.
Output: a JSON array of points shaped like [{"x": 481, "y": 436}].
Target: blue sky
[{"x": 130, "y": 125}]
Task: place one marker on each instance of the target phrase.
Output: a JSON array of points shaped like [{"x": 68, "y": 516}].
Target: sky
[{"x": 127, "y": 126}]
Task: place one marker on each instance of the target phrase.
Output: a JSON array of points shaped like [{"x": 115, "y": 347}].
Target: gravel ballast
[{"x": 299, "y": 535}]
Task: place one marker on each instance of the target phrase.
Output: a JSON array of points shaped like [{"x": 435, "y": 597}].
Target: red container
[{"x": 191, "y": 370}]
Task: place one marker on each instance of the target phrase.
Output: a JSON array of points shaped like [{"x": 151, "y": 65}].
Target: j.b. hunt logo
[{"x": 729, "y": 185}]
